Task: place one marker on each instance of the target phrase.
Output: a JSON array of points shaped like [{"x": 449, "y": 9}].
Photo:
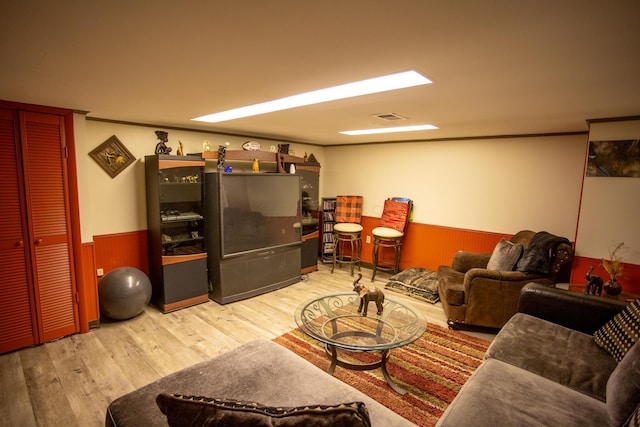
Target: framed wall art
[
  {"x": 112, "y": 156},
  {"x": 614, "y": 158}
]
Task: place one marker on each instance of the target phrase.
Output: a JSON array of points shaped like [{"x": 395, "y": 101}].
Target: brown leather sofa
[{"x": 471, "y": 294}]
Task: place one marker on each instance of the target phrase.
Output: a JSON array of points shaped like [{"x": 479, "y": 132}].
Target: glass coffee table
[{"x": 334, "y": 321}]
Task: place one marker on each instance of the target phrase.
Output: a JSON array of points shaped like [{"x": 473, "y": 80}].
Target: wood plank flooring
[{"x": 71, "y": 381}]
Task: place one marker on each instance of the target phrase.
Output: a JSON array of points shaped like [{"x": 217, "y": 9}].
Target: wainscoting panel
[
  {"x": 630, "y": 280},
  {"x": 89, "y": 301},
  {"x": 122, "y": 250},
  {"x": 429, "y": 246}
]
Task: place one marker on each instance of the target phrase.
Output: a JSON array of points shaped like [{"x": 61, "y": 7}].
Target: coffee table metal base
[{"x": 332, "y": 353}]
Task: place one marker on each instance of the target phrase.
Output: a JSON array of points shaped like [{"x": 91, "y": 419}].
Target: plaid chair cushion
[
  {"x": 348, "y": 209},
  {"x": 395, "y": 215}
]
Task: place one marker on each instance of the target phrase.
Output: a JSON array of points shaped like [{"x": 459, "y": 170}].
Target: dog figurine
[
  {"x": 594, "y": 284},
  {"x": 368, "y": 295}
]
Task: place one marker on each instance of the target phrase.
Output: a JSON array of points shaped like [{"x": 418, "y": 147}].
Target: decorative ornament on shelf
[
  {"x": 614, "y": 267},
  {"x": 161, "y": 147},
  {"x": 251, "y": 146},
  {"x": 594, "y": 283},
  {"x": 222, "y": 150}
]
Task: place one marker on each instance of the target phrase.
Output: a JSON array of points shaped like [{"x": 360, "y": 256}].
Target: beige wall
[
  {"x": 116, "y": 205},
  {"x": 498, "y": 185},
  {"x": 610, "y": 206}
]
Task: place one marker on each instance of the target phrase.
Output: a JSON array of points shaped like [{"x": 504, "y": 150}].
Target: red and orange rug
[{"x": 432, "y": 370}]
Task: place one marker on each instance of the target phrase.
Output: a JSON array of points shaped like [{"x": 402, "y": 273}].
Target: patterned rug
[{"x": 432, "y": 370}]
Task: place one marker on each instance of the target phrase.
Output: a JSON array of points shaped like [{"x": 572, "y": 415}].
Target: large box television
[{"x": 253, "y": 233}]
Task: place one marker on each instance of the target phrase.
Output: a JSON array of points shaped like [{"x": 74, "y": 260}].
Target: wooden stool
[
  {"x": 384, "y": 237},
  {"x": 390, "y": 233},
  {"x": 347, "y": 234}
]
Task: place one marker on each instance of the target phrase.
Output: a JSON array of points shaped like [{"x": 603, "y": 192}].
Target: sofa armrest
[
  {"x": 465, "y": 261},
  {"x": 584, "y": 313}
]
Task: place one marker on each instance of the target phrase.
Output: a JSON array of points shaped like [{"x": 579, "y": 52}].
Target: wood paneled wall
[
  {"x": 429, "y": 246},
  {"x": 122, "y": 250},
  {"x": 90, "y": 281},
  {"x": 425, "y": 245},
  {"x": 630, "y": 279}
]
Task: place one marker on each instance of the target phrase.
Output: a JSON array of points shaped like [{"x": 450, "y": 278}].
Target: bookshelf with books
[{"x": 328, "y": 220}]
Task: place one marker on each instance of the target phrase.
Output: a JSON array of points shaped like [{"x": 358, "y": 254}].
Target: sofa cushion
[
  {"x": 619, "y": 334},
  {"x": 505, "y": 256},
  {"x": 623, "y": 388},
  {"x": 500, "y": 394},
  {"x": 563, "y": 355},
  {"x": 186, "y": 411}
]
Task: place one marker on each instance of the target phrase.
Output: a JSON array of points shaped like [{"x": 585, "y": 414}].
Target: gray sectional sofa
[
  {"x": 544, "y": 368},
  {"x": 260, "y": 371}
]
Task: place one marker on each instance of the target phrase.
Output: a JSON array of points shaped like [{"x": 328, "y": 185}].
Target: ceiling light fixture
[
  {"x": 389, "y": 130},
  {"x": 365, "y": 87}
]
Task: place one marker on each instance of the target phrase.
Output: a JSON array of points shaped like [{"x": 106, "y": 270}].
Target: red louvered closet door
[
  {"x": 18, "y": 322},
  {"x": 37, "y": 283},
  {"x": 44, "y": 160}
]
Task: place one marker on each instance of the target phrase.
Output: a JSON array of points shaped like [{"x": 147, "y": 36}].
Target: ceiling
[{"x": 502, "y": 67}]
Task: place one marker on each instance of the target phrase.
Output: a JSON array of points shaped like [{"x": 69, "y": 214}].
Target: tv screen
[{"x": 258, "y": 212}]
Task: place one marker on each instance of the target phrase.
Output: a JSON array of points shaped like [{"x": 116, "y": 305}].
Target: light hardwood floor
[{"x": 71, "y": 381}]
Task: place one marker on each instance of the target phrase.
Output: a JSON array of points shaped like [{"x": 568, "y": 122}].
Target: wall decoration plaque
[
  {"x": 614, "y": 158},
  {"x": 112, "y": 156}
]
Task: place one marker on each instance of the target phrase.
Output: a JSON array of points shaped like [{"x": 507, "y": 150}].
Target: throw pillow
[
  {"x": 394, "y": 215},
  {"x": 623, "y": 387},
  {"x": 348, "y": 209},
  {"x": 619, "y": 334},
  {"x": 505, "y": 256},
  {"x": 182, "y": 411}
]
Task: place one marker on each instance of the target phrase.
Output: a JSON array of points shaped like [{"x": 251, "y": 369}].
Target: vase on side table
[{"x": 612, "y": 287}]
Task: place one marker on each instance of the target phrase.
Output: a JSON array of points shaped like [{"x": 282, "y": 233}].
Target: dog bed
[{"x": 416, "y": 282}]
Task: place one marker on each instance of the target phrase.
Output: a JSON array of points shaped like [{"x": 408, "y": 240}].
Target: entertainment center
[{"x": 228, "y": 236}]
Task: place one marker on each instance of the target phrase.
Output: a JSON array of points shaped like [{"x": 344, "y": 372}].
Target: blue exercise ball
[{"x": 123, "y": 293}]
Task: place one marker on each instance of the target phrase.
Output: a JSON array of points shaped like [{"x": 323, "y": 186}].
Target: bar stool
[
  {"x": 390, "y": 233},
  {"x": 347, "y": 232}
]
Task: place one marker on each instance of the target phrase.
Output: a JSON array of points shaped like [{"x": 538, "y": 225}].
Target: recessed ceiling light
[
  {"x": 365, "y": 87},
  {"x": 389, "y": 130}
]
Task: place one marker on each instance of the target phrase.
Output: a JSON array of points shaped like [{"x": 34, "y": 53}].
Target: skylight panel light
[
  {"x": 365, "y": 87},
  {"x": 389, "y": 130}
]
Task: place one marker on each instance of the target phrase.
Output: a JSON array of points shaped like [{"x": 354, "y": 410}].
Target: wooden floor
[{"x": 71, "y": 381}]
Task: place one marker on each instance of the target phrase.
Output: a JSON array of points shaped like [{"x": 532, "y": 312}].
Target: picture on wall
[
  {"x": 614, "y": 158},
  {"x": 112, "y": 156}
]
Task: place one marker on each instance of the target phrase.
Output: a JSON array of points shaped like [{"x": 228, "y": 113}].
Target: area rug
[
  {"x": 432, "y": 370},
  {"x": 416, "y": 282}
]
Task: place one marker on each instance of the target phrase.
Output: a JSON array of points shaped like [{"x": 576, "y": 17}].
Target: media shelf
[
  {"x": 328, "y": 221},
  {"x": 176, "y": 229},
  {"x": 309, "y": 179}
]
